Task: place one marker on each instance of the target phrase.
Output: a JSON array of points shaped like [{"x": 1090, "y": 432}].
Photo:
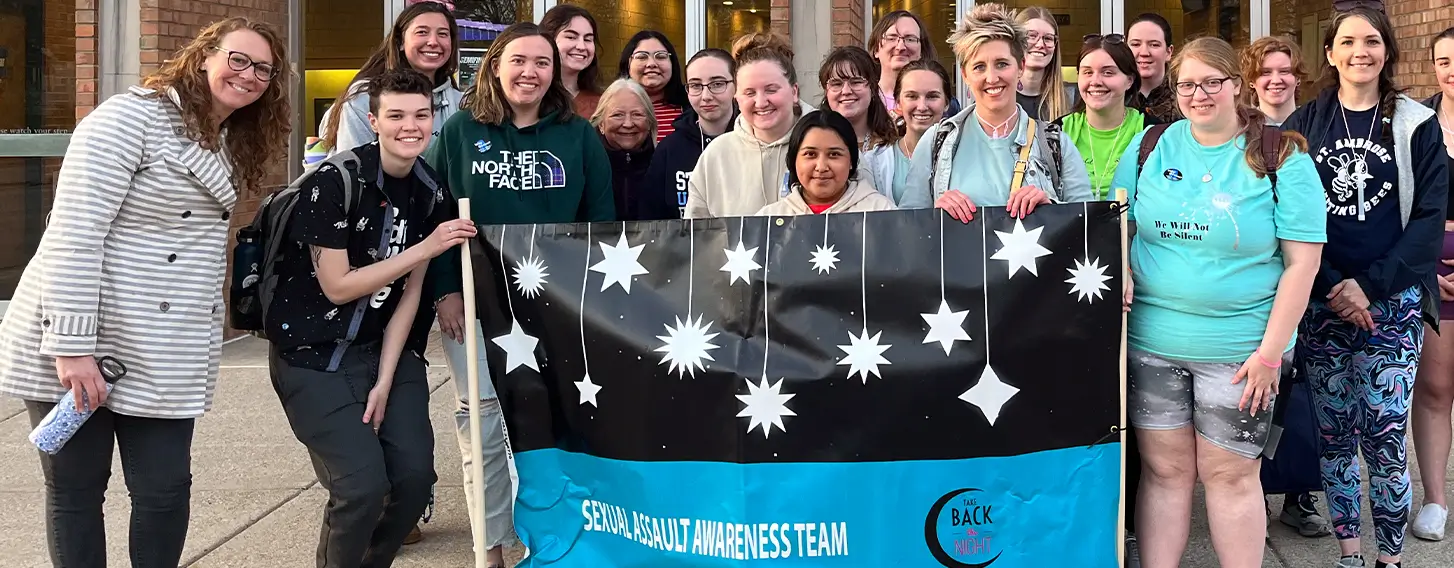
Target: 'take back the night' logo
[{"x": 960, "y": 530}]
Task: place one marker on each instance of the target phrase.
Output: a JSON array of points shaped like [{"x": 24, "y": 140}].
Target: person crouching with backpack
[
  {"x": 969, "y": 160},
  {"x": 1220, "y": 248},
  {"x": 349, "y": 280}
]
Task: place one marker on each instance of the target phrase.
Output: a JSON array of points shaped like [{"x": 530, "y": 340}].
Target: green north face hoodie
[{"x": 553, "y": 171}]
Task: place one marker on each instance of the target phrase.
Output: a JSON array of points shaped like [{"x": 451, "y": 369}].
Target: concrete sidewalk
[{"x": 256, "y": 502}]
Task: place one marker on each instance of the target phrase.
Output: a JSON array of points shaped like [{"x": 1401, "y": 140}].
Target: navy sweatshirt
[
  {"x": 663, "y": 193},
  {"x": 1383, "y": 263}
]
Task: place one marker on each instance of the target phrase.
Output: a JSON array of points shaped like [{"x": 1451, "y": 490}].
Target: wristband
[{"x": 1264, "y": 362}]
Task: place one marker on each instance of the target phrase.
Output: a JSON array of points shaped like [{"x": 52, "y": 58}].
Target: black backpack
[
  {"x": 254, "y": 275},
  {"x": 1271, "y": 150}
]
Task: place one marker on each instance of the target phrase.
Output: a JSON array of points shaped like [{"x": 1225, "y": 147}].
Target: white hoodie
[
  {"x": 859, "y": 197},
  {"x": 738, "y": 174}
]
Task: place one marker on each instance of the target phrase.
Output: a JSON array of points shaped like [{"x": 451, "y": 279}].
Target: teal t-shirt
[
  {"x": 901, "y": 173},
  {"x": 1205, "y": 258}
]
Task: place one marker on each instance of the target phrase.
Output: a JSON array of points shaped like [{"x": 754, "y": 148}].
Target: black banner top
[{"x": 900, "y": 335}]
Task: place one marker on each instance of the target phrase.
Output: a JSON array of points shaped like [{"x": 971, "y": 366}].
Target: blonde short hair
[
  {"x": 625, "y": 86},
  {"x": 984, "y": 24}
]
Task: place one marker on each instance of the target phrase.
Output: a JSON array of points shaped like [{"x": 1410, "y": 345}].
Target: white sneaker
[{"x": 1429, "y": 525}]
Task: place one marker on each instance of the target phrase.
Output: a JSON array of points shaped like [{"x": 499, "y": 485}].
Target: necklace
[
  {"x": 1115, "y": 156},
  {"x": 1372, "y": 122},
  {"x": 995, "y": 129}
]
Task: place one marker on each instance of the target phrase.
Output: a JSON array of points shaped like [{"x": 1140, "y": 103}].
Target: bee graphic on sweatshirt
[{"x": 363, "y": 223}]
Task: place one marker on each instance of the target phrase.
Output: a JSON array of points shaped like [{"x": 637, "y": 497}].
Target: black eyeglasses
[
  {"x": 1105, "y": 39},
  {"x": 1211, "y": 86},
  {"x": 716, "y": 87},
  {"x": 239, "y": 62}
]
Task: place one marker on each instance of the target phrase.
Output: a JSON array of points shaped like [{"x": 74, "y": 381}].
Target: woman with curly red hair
[{"x": 131, "y": 268}]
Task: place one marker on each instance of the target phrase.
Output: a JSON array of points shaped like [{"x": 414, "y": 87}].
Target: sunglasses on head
[{"x": 1107, "y": 38}]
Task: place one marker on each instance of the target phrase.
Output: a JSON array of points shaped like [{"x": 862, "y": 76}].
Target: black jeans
[
  {"x": 378, "y": 483},
  {"x": 156, "y": 459}
]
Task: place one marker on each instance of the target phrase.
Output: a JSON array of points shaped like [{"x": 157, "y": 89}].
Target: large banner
[{"x": 855, "y": 390}]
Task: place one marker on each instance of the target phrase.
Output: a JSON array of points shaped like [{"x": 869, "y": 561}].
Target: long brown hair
[
  {"x": 1052, "y": 86},
  {"x": 559, "y": 18},
  {"x": 389, "y": 56},
  {"x": 486, "y": 101},
  {"x": 257, "y": 134},
  {"x": 1216, "y": 53},
  {"x": 1388, "y": 89},
  {"x": 852, "y": 61}
]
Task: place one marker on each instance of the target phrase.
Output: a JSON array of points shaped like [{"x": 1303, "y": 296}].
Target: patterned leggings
[{"x": 1361, "y": 384}]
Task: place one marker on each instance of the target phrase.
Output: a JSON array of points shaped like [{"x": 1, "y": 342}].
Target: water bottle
[
  {"x": 245, "y": 310},
  {"x": 53, "y": 431}
]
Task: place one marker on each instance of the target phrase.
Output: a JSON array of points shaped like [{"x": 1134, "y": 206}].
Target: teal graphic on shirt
[{"x": 1205, "y": 259}]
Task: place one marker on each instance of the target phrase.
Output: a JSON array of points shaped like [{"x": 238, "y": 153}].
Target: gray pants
[
  {"x": 378, "y": 483},
  {"x": 499, "y": 466}
]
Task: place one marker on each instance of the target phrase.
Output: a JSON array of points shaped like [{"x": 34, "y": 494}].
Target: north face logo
[{"x": 522, "y": 171}]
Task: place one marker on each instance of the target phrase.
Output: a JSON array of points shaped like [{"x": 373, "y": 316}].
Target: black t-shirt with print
[
  {"x": 303, "y": 322},
  {"x": 1356, "y": 160}
]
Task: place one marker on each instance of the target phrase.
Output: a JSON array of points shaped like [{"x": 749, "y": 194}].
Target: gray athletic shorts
[{"x": 1167, "y": 394}]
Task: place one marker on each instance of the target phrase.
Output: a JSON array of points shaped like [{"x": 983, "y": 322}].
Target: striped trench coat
[{"x": 131, "y": 264}]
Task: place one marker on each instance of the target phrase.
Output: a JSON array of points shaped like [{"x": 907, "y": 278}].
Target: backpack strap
[
  {"x": 1023, "y": 162},
  {"x": 1050, "y": 135},
  {"x": 940, "y": 136},
  {"x": 1148, "y": 144},
  {"x": 1271, "y": 151}
]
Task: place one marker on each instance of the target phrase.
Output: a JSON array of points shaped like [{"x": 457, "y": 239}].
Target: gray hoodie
[{"x": 353, "y": 126}]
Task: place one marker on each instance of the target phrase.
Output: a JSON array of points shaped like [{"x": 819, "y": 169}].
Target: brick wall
[
  {"x": 782, "y": 18},
  {"x": 85, "y": 46},
  {"x": 848, "y": 22},
  {"x": 1415, "y": 23}
]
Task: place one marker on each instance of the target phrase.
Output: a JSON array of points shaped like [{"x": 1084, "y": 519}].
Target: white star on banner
[
  {"x": 519, "y": 348},
  {"x": 766, "y": 406},
  {"x": 686, "y": 346},
  {"x": 1021, "y": 248},
  {"x": 946, "y": 326},
  {"x": 530, "y": 276},
  {"x": 620, "y": 264},
  {"x": 588, "y": 390},
  {"x": 740, "y": 262},
  {"x": 825, "y": 259},
  {"x": 864, "y": 355},
  {"x": 1088, "y": 279},
  {"x": 989, "y": 394}
]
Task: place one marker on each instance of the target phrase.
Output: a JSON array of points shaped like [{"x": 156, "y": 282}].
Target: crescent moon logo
[{"x": 931, "y": 536}]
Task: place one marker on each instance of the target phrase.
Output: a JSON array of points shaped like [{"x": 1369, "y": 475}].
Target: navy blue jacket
[
  {"x": 663, "y": 193},
  {"x": 1413, "y": 259}
]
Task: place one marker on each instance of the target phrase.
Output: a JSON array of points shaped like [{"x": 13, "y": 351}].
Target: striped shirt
[
  {"x": 666, "y": 114},
  {"x": 131, "y": 264}
]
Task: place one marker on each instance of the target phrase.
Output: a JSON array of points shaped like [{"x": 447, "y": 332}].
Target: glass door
[{"x": 37, "y": 115}]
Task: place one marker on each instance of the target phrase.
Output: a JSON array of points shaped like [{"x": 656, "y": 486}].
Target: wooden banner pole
[
  {"x": 472, "y": 377},
  {"x": 1121, "y": 199}
]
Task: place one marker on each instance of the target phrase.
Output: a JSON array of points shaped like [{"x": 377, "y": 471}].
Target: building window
[
  {"x": 728, "y": 20},
  {"x": 1228, "y": 19},
  {"x": 341, "y": 34},
  {"x": 1305, "y": 22},
  {"x": 618, "y": 20},
  {"x": 37, "y": 114},
  {"x": 939, "y": 22}
]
